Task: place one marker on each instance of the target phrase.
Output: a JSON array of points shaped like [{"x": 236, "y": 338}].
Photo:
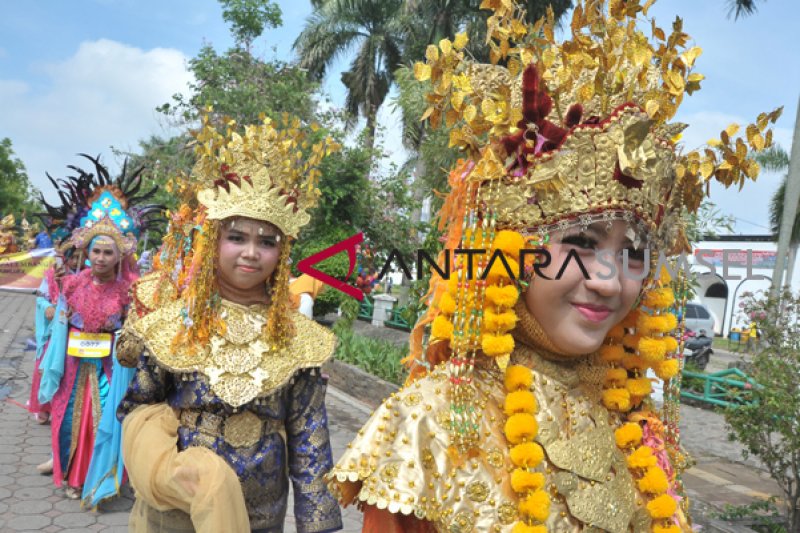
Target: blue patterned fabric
[
  {"x": 296, "y": 410},
  {"x": 65, "y": 433},
  {"x": 106, "y": 470},
  {"x": 52, "y": 365}
]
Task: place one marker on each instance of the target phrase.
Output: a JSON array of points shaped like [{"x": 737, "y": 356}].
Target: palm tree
[
  {"x": 776, "y": 159},
  {"x": 374, "y": 30},
  {"x": 741, "y": 8}
]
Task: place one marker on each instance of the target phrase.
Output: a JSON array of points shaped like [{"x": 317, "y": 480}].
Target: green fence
[
  {"x": 366, "y": 308},
  {"x": 724, "y": 388},
  {"x": 398, "y": 319}
]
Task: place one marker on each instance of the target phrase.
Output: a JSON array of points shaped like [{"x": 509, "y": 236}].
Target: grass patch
[
  {"x": 721, "y": 343},
  {"x": 377, "y": 357}
]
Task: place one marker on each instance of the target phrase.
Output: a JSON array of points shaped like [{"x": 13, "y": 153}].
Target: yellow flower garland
[
  {"x": 520, "y": 430},
  {"x": 651, "y": 479},
  {"x": 641, "y": 341}
]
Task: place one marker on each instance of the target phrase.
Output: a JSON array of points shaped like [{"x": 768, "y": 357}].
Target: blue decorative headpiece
[{"x": 94, "y": 204}]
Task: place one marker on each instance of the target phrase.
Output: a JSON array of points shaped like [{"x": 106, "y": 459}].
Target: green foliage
[
  {"x": 707, "y": 222},
  {"x": 242, "y": 86},
  {"x": 776, "y": 159},
  {"x": 416, "y": 304},
  {"x": 238, "y": 84},
  {"x": 345, "y": 189},
  {"x": 761, "y": 515},
  {"x": 377, "y": 357},
  {"x": 163, "y": 159},
  {"x": 16, "y": 194},
  {"x": 350, "y": 308},
  {"x": 378, "y": 206},
  {"x": 248, "y": 18},
  {"x": 432, "y": 157},
  {"x": 770, "y": 427},
  {"x": 372, "y": 28}
]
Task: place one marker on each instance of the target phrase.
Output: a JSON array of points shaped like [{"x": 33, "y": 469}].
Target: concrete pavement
[{"x": 30, "y": 502}]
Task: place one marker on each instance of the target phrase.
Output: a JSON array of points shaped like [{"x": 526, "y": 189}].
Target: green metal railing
[
  {"x": 366, "y": 308},
  {"x": 398, "y": 320},
  {"x": 724, "y": 388}
]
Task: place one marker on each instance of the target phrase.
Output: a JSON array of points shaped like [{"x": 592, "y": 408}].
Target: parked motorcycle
[{"x": 697, "y": 349}]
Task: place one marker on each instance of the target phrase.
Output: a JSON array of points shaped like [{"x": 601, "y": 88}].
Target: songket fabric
[{"x": 269, "y": 437}]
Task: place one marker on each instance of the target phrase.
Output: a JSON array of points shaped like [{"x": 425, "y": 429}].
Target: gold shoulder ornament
[{"x": 241, "y": 363}]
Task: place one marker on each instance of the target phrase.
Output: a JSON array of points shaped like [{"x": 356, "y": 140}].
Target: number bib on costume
[{"x": 81, "y": 344}]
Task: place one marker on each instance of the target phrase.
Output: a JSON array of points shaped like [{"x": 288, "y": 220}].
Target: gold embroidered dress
[
  {"x": 222, "y": 384},
  {"x": 400, "y": 459}
]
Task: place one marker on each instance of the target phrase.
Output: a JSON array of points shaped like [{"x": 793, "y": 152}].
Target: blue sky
[{"x": 84, "y": 75}]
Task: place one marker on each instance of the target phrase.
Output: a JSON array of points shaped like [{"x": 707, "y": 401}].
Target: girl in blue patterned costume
[{"x": 228, "y": 397}]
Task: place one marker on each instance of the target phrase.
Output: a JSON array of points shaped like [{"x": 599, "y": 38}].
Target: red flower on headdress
[
  {"x": 229, "y": 177},
  {"x": 536, "y": 134}
]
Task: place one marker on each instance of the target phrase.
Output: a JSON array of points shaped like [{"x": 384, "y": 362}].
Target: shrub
[
  {"x": 769, "y": 428},
  {"x": 377, "y": 357}
]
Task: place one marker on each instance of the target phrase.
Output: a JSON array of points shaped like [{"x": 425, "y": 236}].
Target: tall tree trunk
[
  {"x": 790, "y": 204},
  {"x": 372, "y": 113},
  {"x": 792, "y": 259}
]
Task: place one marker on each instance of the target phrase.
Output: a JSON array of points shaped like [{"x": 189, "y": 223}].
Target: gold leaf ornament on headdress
[
  {"x": 604, "y": 141},
  {"x": 8, "y": 222},
  {"x": 265, "y": 174}
]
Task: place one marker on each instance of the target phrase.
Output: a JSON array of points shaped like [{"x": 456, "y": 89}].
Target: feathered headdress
[{"x": 96, "y": 204}]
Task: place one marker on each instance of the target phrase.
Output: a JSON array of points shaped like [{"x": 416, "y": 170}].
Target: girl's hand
[{"x": 50, "y": 312}]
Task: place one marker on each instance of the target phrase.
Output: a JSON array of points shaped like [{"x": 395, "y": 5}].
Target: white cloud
[{"x": 104, "y": 95}]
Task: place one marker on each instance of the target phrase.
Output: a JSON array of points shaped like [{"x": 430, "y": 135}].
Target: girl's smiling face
[{"x": 575, "y": 312}]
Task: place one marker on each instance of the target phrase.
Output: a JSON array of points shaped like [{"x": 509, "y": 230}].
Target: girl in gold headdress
[
  {"x": 529, "y": 410},
  {"x": 218, "y": 344}
]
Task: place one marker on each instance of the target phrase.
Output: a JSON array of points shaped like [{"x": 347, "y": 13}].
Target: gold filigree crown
[
  {"x": 82, "y": 237},
  {"x": 579, "y": 131},
  {"x": 266, "y": 174}
]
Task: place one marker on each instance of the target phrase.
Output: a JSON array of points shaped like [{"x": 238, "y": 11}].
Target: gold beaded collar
[{"x": 240, "y": 363}]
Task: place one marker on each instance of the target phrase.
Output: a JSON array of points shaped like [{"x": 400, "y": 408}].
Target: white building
[{"x": 750, "y": 260}]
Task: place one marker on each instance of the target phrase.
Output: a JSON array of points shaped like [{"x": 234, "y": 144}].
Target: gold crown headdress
[
  {"x": 581, "y": 127},
  {"x": 565, "y": 134},
  {"x": 265, "y": 174},
  {"x": 268, "y": 174}
]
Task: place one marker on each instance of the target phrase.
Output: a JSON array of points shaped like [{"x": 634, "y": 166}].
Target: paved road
[{"x": 30, "y": 502}]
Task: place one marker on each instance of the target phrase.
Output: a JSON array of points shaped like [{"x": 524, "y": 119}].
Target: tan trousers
[{"x": 177, "y": 491}]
